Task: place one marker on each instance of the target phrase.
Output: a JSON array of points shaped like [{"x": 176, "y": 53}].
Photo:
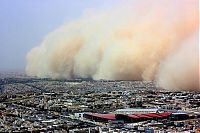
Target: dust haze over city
[
  {"x": 100, "y": 66},
  {"x": 131, "y": 41}
]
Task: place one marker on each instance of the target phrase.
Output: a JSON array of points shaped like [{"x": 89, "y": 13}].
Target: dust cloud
[{"x": 140, "y": 40}]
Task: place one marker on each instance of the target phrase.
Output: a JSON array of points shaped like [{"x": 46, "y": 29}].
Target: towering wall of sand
[{"x": 137, "y": 40}]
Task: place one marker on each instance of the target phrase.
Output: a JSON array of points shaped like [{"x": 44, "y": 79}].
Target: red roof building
[{"x": 130, "y": 118}]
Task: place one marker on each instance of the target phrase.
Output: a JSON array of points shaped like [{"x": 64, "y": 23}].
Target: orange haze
[{"x": 143, "y": 40}]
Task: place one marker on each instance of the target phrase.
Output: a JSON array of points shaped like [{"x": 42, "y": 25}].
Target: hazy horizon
[{"x": 109, "y": 39}]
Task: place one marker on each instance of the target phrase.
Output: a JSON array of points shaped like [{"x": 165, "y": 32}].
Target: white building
[{"x": 136, "y": 111}]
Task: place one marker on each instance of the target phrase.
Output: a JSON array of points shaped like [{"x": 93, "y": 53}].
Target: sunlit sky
[{"x": 25, "y": 23}]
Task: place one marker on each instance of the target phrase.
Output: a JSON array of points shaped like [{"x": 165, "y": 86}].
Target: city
[
  {"x": 99, "y": 66},
  {"x": 81, "y": 106}
]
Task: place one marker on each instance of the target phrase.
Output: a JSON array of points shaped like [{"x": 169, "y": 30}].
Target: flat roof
[
  {"x": 149, "y": 115},
  {"x": 104, "y": 116},
  {"x": 180, "y": 113},
  {"x": 165, "y": 114},
  {"x": 137, "y": 110},
  {"x": 154, "y": 115},
  {"x": 133, "y": 116},
  {"x": 143, "y": 116}
]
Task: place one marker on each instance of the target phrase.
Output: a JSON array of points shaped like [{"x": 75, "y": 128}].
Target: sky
[{"x": 25, "y": 23}]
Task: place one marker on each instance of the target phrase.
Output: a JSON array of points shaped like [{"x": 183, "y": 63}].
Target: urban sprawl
[{"x": 86, "y": 106}]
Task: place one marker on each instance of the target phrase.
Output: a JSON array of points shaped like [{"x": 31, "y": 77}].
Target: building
[{"x": 136, "y": 111}]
